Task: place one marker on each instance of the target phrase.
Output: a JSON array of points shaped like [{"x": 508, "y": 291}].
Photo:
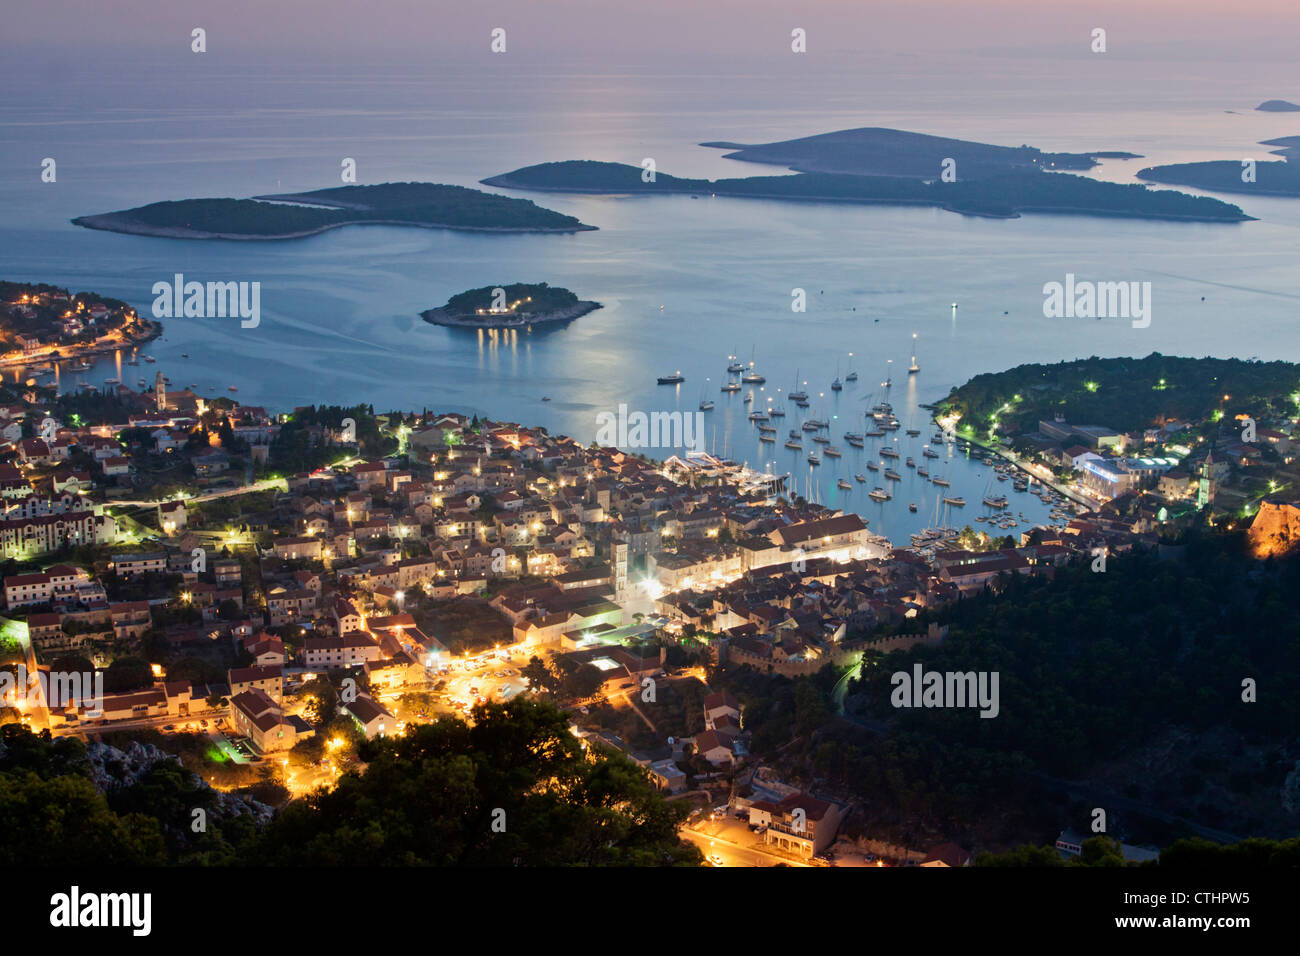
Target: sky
[{"x": 589, "y": 31}]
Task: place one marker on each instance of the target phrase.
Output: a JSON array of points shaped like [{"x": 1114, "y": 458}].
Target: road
[
  {"x": 732, "y": 852},
  {"x": 266, "y": 484}
]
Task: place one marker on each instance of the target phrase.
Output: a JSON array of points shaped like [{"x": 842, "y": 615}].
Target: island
[
  {"x": 519, "y": 305},
  {"x": 1277, "y": 178},
  {"x": 878, "y": 151},
  {"x": 294, "y": 215},
  {"x": 1278, "y": 106},
  {"x": 1005, "y": 195},
  {"x": 41, "y": 324}
]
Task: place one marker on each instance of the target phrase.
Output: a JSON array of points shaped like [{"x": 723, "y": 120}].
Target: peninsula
[
  {"x": 1005, "y": 195},
  {"x": 293, "y": 215},
  {"x": 1277, "y": 178},
  {"x": 510, "y": 307}
]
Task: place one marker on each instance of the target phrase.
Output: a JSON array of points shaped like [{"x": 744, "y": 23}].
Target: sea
[{"x": 685, "y": 282}]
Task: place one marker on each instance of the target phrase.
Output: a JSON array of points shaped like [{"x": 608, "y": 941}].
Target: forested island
[
  {"x": 1126, "y": 394},
  {"x": 1004, "y": 196},
  {"x": 877, "y": 151},
  {"x": 1278, "y": 178},
  {"x": 509, "y": 306},
  {"x": 293, "y": 215}
]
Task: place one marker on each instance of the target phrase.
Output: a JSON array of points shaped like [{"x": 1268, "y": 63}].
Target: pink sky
[{"x": 648, "y": 29}]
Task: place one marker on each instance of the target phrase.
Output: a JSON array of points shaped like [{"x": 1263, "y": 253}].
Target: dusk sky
[{"x": 343, "y": 29}]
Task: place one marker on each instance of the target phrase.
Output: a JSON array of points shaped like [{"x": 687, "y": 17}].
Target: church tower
[
  {"x": 1205, "y": 482},
  {"x": 160, "y": 392}
]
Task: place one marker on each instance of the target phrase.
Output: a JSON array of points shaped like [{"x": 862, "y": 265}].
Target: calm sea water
[{"x": 685, "y": 282}]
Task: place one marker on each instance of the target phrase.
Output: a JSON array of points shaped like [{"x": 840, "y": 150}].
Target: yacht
[
  {"x": 910, "y": 463},
  {"x": 814, "y": 458},
  {"x": 707, "y": 405},
  {"x": 792, "y": 443},
  {"x": 851, "y": 376},
  {"x": 929, "y": 453},
  {"x": 757, "y": 417},
  {"x": 914, "y": 368},
  {"x": 888, "y": 453},
  {"x": 854, "y": 440},
  {"x": 923, "y": 472},
  {"x": 958, "y": 501},
  {"x": 832, "y": 451},
  {"x": 913, "y": 432},
  {"x": 736, "y": 366},
  {"x": 995, "y": 501},
  {"x": 872, "y": 466},
  {"x": 798, "y": 395},
  {"x": 817, "y": 423},
  {"x": 912, "y": 508},
  {"x": 776, "y": 412},
  {"x": 892, "y": 475},
  {"x": 763, "y": 436},
  {"x": 843, "y": 485},
  {"x": 860, "y": 479},
  {"x": 879, "y": 494},
  {"x": 941, "y": 481},
  {"x": 821, "y": 439},
  {"x": 150, "y": 359},
  {"x": 675, "y": 379},
  {"x": 731, "y": 387}
]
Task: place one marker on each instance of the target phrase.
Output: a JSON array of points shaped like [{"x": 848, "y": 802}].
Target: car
[
  {"x": 170, "y": 727},
  {"x": 715, "y": 859}
]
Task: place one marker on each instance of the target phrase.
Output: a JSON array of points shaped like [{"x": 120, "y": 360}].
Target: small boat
[
  {"x": 767, "y": 438},
  {"x": 941, "y": 482},
  {"x": 817, "y": 423},
  {"x": 843, "y": 485},
  {"x": 142, "y": 383},
  {"x": 757, "y": 417},
  {"x": 675, "y": 379},
  {"x": 748, "y": 400},
  {"x": 929, "y": 453},
  {"x": 802, "y": 403},
  {"x": 706, "y": 405},
  {"x": 912, "y": 508},
  {"x": 855, "y": 442},
  {"x": 232, "y": 388},
  {"x": 797, "y": 446},
  {"x": 910, "y": 463},
  {"x": 185, "y": 355},
  {"x": 546, "y": 398},
  {"x": 150, "y": 359},
  {"x": 731, "y": 387},
  {"x": 821, "y": 439},
  {"x": 112, "y": 381},
  {"x": 752, "y": 378},
  {"x": 958, "y": 501},
  {"x": 914, "y": 368},
  {"x": 892, "y": 475},
  {"x": 814, "y": 458},
  {"x": 888, "y": 453},
  {"x": 879, "y": 494},
  {"x": 766, "y": 430},
  {"x": 736, "y": 366},
  {"x": 995, "y": 501},
  {"x": 837, "y": 386},
  {"x": 914, "y": 432},
  {"x": 776, "y": 412},
  {"x": 923, "y": 472},
  {"x": 872, "y": 466},
  {"x": 832, "y": 451},
  {"x": 861, "y": 479}
]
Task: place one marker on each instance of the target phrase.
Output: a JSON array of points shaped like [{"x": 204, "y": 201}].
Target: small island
[
  {"x": 294, "y": 215},
  {"x": 520, "y": 305},
  {"x": 878, "y": 151},
  {"x": 1278, "y": 106},
  {"x": 1004, "y": 196}
]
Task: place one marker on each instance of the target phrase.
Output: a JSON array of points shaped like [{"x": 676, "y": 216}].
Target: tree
[
  {"x": 539, "y": 676},
  {"x": 515, "y": 788}
]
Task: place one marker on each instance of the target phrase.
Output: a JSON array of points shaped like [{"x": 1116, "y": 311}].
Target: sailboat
[
  {"x": 851, "y": 376},
  {"x": 735, "y": 366},
  {"x": 798, "y": 395},
  {"x": 837, "y": 385},
  {"x": 706, "y": 404},
  {"x": 913, "y": 368},
  {"x": 752, "y": 377}
]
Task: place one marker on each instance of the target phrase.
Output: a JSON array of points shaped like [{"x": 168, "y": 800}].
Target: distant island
[
  {"x": 877, "y": 151},
  {"x": 1005, "y": 195},
  {"x": 509, "y": 307},
  {"x": 1278, "y": 178},
  {"x": 293, "y": 215},
  {"x": 1278, "y": 106}
]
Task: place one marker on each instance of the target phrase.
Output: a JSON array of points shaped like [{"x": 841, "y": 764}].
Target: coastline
[
  {"x": 154, "y": 331},
  {"x": 506, "y": 182},
  {"x": 109, "y": 222},
  {"x": 441, "y": 316}
]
